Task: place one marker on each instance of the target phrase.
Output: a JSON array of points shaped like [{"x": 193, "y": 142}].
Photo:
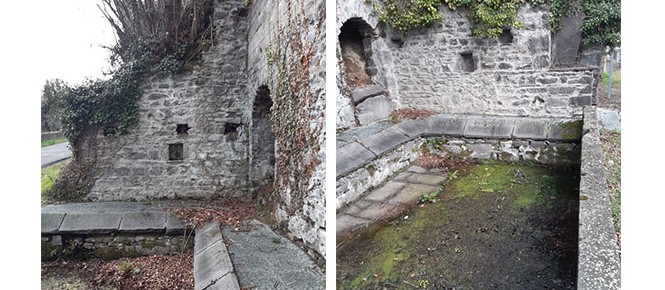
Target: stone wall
[
  {"x": 192, "y": 136},
  {"x": 445, "y": 69},
  {"x": 113, "y": 247},
  {"x": 302, "y": 209}
]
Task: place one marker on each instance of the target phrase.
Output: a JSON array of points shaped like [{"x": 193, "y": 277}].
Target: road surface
[{"x": 54, "y": 153}]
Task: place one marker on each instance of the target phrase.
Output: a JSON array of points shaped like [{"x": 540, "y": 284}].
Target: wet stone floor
[{"x": 490, "y": 226}]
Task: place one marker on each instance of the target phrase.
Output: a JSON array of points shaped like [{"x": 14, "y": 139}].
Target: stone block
[
  {"x": 480, "y": 151},
  {"x": 565, "y": 130},
  {"x": 352, "y": 157},
  {"x": 580, "y": 101},
  {"x": 206, "y": 236},
  {"x": 489, "y": 127},
  {"x": 374, "y": 109},
  {"x": 361, "y": 94},
  {"x": 414, "y": 128},
  {"x": 173, "y": 225},
  {"x": 51, "y": 222},
  {"x": 530, "y": 129},
  {"x": 428, "y": 179},
  {"x": 357, "y": 207},
  {"x": 382, "y": 211},
  {"x": 447, "y": 125},
  {"x": 143, "y": 222},
  {"x": 211, "y": 266},
  {"x": 411, "y": 193},
  {"x": 386, "y": 191},
  {"x": 346, "y": 223},
  {"x": 85, "y": 223},
  {"x": 383, "y": 141}
]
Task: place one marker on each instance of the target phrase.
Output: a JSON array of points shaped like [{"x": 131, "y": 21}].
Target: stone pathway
[
  {"x": 224, "y": 258},
  {"x": 389, "y": 201}
]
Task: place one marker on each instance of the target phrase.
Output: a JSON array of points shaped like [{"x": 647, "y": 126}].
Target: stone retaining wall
[{"x": 114, "y": 246}]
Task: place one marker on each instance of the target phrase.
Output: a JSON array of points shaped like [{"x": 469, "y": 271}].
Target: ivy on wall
[
  {"x": 296, "y": 128},
  {"x": 602, "y": 22}
]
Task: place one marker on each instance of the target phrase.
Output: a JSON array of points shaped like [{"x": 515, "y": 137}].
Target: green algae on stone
[
  {"x": 571, "y": 131},
  {"x": 500, "y": 226}
]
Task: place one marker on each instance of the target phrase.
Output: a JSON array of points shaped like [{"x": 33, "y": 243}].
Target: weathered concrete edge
[{"x": 599, "y": 266}]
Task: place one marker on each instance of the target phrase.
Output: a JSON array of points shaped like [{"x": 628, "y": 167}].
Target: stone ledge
[
  {"x": 212, "y": 265},
  {"x": 359, "y": 95},
  {"x": 598, "y": 265}
]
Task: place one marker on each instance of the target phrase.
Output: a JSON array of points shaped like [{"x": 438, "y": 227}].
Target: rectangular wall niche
[
  {"x": 182, "y": 129},
  {"x": 468, "y": 64},
  {"x": 231, "y": 131},
  {"x": 175, "y": 151}
]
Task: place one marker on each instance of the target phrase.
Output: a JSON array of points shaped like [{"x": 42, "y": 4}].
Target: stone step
[
  {"x": 212, "y": 265},
  {"x": 361, "y": 94}
]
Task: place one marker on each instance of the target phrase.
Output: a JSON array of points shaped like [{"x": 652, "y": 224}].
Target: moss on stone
[{"x": 571, "y": 131}]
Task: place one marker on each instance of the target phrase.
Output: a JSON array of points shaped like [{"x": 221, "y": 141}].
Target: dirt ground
[{"x": 494, "y": 227}]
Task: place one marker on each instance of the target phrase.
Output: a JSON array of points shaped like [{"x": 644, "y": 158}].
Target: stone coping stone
[
  {"x": 599, "y": 266},
  {"x": 352, "y": 157},
  {"x": 98, "y": 207},
  {"x": 346, "y": 223},
  {"x": 174, "y": 226},
  {"x": 91, "y": 223},
  {"x": 376, "y": 139},
  {"x": 143, "y": 222},
  {"x": 384, "y": 140},
  {"x": 264, "y": 260},
  {"x": 489, "y": 127},
  {"x": 212, "y": 265},
  {"x": 361, "y": 94},
  {"x": 51, "y": 222},
  {"x": 531, "y": 129},
  {"x": 451, "y": 125}
]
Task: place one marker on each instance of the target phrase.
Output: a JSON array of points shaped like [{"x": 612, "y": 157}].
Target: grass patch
[
  {"x": 54, "y": 141},
  {"x": 616, "y": 79},
  {"x": 49, "y": 175},
  {"x": 611, "y": 143}
]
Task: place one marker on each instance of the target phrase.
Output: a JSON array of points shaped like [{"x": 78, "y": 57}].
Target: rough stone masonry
[
  {"x": 445, "y": 69},
  {"x": 207, "y": 133}
]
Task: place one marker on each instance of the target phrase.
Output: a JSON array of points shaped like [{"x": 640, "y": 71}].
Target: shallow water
[{"x": 494, "y": 226}]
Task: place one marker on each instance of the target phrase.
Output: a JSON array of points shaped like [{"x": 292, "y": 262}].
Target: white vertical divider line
[{"x": 331, "y": 73}]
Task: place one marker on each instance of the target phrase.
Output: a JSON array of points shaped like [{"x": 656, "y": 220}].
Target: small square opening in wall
[
  {"x": 231, "y": 131},
  {"x": 175, "y": 151},
  {"x": 182, "y": 129},
  {"x": 468, "y": 64},
  {"x": 506, "y": 36}
]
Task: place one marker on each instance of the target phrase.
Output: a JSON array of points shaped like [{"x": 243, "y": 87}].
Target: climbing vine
[
  {"x": 296, "y": 125},
  {"x": 602, "y": 21}
]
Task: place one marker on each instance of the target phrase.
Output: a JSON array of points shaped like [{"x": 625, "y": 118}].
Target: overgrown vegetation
[
  {"x": 611, "y": 143},
  {"x": 154, "y": 37},
  {"x": 601, "y": 26},
  {"x": 49, "y": 175}
]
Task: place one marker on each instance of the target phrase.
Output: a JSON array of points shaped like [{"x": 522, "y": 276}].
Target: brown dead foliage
[
  {"x": 227, "y": 212},
  {"x": 410, "y": 113},
  {"x": 146, "y": 273}
]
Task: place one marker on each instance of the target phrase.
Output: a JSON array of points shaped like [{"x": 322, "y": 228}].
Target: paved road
[{"x": 55, "y": 153}]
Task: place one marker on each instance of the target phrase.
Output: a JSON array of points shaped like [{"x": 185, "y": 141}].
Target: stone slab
[
  {"x": 481, "y": 151},
  {"x": 414, "y": 128},
  {"x": 352, "y": 157},
  {"x": 357, "y": 207},
  {"x": 98, "y": 207},
  {"x": 345, "y": 223},
  {"x": 609, "y": 119},
  {"x": 174, "y": 226},
  {"x": 417, "y": 169},
  {"x": 403, "y": 176},
  {"x": 565, "y": 130},
  {"x": 452, "y": 125},
  {"x": 411, "y": 193},
  {"x": 264, "y": 260},
  {"x": 428, "y": 179},
  {"x": 51, "y": 222},
  {"x": 489, "y": 127},
  {"x": 382, "y": 193},
  {"x": 374, "y": 109},
  {"x": 209, "y": 234},
  {"x": 212, "y": 265},
  {"x": 535, "y": 129},
  {"x": 384, "y": 141},
  {"x": 143, "y": 222},
  {"x": 382, "y": 211},
  {"x": 86, "y": 223},
  {"x": 359, "y": 95}
]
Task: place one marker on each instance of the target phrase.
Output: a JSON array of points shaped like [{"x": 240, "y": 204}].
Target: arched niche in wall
[
  {"x": 355, "y": 40},
  {"x": 262, "y": 144}
]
